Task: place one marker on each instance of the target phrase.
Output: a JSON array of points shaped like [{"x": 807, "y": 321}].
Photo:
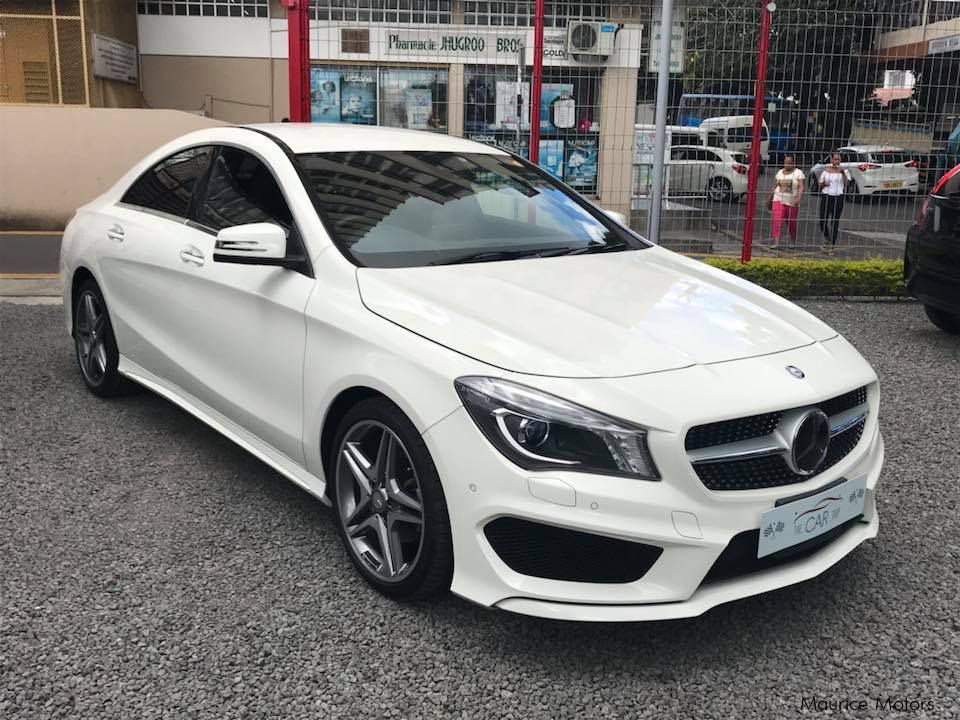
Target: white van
[{"x": 735, "y": 132}]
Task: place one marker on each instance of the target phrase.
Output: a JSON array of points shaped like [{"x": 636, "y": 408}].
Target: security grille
[
  {"x": 42, "y": 54},
  {"x": 520, "y": 13},
  {"x": 383, "y": 11}
]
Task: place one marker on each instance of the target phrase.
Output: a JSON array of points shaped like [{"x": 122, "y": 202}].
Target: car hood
[{"x": 599, "y": 315}]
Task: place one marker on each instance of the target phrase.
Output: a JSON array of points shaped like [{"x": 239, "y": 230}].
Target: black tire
[
  {"x": 99, "y": 373},
  {"x": 720, "y": 190},
  {"x": 948, "y": 322},
  {"x": 853, "y": 191},
  {"x": 432, "y": 570}
]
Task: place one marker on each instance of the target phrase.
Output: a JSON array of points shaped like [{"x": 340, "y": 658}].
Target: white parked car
[
  {"x": 873, "y": 169},
  {"x": 499, "y": 389},
  {"x": 719, "y": 174}
]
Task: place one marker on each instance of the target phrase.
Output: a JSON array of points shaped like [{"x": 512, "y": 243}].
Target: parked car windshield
[{"x": 404, "y": 209}]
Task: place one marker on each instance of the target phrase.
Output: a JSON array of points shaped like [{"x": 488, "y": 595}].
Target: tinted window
[
  {"x": 739, "y": 158},
  {"x": 891, "y": 157},
  {"x": 710, "y": 156},
  {"x": 846, "y": 157},
  {"x": 678, "y": 154},
  {"x": 242, "y": 190},
  {"x": 168, "y": 185},
  {"x": 401, "y": 209},
  {"x": 684, "y": 139}
]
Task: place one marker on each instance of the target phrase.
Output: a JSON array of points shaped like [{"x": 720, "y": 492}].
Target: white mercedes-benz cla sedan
[{"x": 498, "y": 388}]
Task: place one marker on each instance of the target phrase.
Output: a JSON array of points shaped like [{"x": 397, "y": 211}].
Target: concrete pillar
[
  {"x": 455, "y": 100},
  {"x": 617, "y": 110}
]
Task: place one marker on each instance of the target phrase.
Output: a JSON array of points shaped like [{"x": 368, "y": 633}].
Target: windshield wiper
[
  {"x": 593, "y": 247},
  {"x": 492, "y": 255}
]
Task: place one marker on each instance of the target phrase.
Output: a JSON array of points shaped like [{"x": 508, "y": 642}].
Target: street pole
[
  {"x": 660, "y": 121},
  {"x": 766, "y": 9},
  {"x": 298, "y": 58},
  {"x": 536, "y": 82}
]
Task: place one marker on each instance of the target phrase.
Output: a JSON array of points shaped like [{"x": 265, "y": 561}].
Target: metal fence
[
  {"x": 42, "y": 52},
  {"x": 876, "y": 80}
]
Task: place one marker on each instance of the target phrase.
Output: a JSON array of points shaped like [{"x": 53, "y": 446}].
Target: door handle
[
  {"x": 115, "y": 233},
  {"x": 192, "y": 254}
]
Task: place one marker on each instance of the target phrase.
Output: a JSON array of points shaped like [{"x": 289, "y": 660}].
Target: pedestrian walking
[
  {"x": 785, "y": 199},
  {"x": 833, "y": 184}
]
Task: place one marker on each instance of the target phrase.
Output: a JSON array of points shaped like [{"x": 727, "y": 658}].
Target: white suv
[
  {"x": 695, "y": 170},
  {"x": 873, "y": 169}
]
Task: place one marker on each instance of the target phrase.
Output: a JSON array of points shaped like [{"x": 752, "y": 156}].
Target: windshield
[{"x": 404, "y": 209}]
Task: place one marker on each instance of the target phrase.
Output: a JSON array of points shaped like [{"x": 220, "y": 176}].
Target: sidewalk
[{"x": 31, "y": 291}]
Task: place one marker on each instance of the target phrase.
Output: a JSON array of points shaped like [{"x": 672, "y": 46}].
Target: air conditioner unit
[{"x": 591, "y": 38}]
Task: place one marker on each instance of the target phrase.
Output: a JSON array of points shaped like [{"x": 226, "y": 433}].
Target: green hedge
[{"x": 808, "y": 278}]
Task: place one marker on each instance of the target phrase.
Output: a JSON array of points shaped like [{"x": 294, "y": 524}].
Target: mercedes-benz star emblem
[
  {"x": 810, "y": 443},
  {"x": 796, "y": 372}
]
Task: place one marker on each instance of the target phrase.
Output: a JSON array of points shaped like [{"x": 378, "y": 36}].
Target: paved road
[
  {"x": 874, "y": 227},
  {"x": 152, "y": 569},
  {"x": 29, "y": 253}
]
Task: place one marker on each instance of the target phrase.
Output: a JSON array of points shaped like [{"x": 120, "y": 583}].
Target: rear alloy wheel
[
  {"x": 948, "y": 322},
  {"x": 95, "y": 344},
  {"x": 720, "y": 190},
  {"x": 392, "y": 515}
]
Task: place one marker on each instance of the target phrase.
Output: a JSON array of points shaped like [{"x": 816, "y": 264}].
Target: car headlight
[{"x": 539, "y": 431}]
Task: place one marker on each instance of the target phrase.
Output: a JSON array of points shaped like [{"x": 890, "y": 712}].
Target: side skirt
[{"x": 256, "y": 447}]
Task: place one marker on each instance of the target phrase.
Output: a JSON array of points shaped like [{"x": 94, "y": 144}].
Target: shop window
[
  {"x": 415, "y": 99},
  {"x": 209, "y": 8},
  {"x": 497, "y": 111}
]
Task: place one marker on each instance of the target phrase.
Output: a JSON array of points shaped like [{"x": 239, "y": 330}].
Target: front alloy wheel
[
  {"x": 391, "y": 511},
  {"x": 379, "y": 500}
]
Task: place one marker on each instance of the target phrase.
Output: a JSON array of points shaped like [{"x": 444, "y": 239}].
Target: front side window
[
  {"x": 405, "y": 209},
  {"x": 168, "y": 186},
  {"x": 242, "y": 190}
]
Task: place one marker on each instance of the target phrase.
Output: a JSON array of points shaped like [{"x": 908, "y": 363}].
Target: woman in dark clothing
[{"x": 833, "y": 185}]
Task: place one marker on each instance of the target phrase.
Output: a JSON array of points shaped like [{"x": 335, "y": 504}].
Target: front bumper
[{"x": 691, "y": 524}]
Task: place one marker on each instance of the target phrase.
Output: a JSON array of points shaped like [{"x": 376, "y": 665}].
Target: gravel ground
[{"x": 150, "y": 568}]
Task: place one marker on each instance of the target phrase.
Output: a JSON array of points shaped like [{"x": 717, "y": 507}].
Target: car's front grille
[
  {"x": 769, "y": 470},
  {"x": 546, "y": 551}
]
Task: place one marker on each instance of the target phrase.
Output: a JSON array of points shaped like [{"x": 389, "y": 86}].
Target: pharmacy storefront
[
  {"x": 473, "y": 82},
  {"x": 442, "y": 75}
]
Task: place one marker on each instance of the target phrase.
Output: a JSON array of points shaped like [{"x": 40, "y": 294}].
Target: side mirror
[
  {"x": 617, "y": 216},
  {"x": 253, "y": 244}
]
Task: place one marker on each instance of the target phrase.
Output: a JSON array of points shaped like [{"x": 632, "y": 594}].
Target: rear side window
[
  {"x": 168, "y": 186},
  {"x": 242, "y": 190},
  {"x": 891, "y": 158}
]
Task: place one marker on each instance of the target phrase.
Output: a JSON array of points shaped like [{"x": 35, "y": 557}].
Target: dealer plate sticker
[{"x": 801, "y": 520}]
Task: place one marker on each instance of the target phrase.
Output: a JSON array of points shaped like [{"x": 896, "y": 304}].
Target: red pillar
[
  {"x": 537, "y": 82},
  {"x": 757, "y": 126},
  {"x": 298, "y": 54}
]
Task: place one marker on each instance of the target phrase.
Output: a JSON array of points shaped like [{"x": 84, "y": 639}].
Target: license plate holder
[{"x": 806, "y": 517}]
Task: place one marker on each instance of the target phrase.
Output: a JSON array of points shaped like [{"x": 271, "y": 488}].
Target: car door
[
  {"x": 137, "y": 242},
  {"x": 701, "y": 170},
  {"x": 241, "y": 325},
  {"x": 680, "y": 168}
]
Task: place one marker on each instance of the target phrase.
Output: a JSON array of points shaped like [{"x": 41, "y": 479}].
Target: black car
[{"x": 931, "y": 262}]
